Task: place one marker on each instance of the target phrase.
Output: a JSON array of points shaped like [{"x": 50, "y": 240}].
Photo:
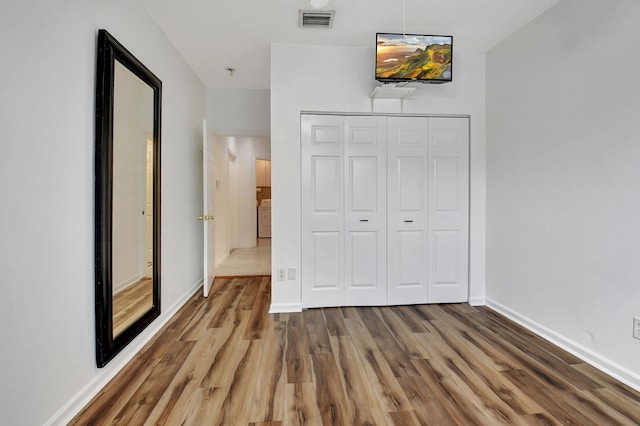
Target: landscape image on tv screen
[{"x": 413, "y": 57}]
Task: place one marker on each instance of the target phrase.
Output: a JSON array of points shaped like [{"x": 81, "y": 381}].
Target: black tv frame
[{"x": 392, "y": 81}]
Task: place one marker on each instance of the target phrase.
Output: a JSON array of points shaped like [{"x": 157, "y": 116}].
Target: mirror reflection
[
  {"x": 127, "y": 197},
  {"x": 132, "y": 228}
]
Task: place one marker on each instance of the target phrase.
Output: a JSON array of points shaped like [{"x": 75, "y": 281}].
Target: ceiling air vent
[{"x": 315, "y": 18}]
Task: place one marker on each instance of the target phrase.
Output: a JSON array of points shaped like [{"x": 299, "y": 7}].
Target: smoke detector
[{"x": 315, "y": 18}]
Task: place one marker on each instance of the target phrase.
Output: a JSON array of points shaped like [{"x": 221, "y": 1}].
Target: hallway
[{"x": 248, "y": 261}]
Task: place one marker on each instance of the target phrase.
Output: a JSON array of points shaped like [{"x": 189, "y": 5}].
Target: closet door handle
[
  {"x": 408, "y": 221},
  {"x": 364, "y": 220}
]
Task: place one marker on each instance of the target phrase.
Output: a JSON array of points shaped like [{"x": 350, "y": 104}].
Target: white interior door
[
  {"x": 407, "y": 144},
  {"x": 208, "y": 201},
  {"x": 322, "y": 162},
  {"x": 365, "y": 211},
  {"x": 448, "y": 204}
]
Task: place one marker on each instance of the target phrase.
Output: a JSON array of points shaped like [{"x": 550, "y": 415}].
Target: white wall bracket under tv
[{"x": 391, "y": 92}]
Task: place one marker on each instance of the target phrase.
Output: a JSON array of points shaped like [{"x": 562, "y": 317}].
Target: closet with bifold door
[{"x": 385, "y": 209}]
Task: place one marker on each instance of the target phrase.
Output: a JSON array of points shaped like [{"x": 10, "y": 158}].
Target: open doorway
[{"x": 241, "y": 191}]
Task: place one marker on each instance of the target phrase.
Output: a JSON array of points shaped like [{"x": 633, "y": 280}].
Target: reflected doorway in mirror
[{"x": 127, "y": 197}]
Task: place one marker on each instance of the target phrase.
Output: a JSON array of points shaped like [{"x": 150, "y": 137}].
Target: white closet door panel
[
  {"x": 407, "y": 146},
  {"x": 325, "y": 185},
  {"x": 323, "y": 280},
  {"x": 407, "y": 266},
  {"x": 326, "y": 132},
  {"x": 361, "y": 271},
  {"x": 446, "y": 247},
  {"x": 326, "y": 259},
  {"x": 322, "y": 170},
  {"x": 409, "y": 188},
  {"x": 446, "y": 184},
  {"x": 364, "y": 132},
  {"x": 363, "y": 181},
  {"x": 410, "y": 133},
  {"x": 448, "y": 201},
  {"x": 365, "y": 268},
  {"x": 365, "y": 210},
  {"x": 365, "y": 165}
]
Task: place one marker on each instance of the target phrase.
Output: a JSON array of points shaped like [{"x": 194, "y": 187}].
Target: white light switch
[{"x": 291, "y": 273}]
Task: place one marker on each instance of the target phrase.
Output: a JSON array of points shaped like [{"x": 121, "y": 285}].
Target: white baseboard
[
  {"x": 125, "y": 283},
  {"x": 222, "y": 259},
  {"x": 277, "y": 308},
  {"x": 245, "y": 246},
  {"x": 105, "y": 374},
  {"x": 587, "y": 355},
  {"x": 477, "y": 301}
]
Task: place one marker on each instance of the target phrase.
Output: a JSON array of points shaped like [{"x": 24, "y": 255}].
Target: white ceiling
[{"x": 212, "y": 35}]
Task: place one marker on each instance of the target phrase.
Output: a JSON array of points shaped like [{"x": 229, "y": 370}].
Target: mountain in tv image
[{"x": 405, "y": 61}]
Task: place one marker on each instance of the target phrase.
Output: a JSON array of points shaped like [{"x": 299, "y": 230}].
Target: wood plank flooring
[
  {"x": 225, "y": 361},
  {"x": 131, "y": 303}
]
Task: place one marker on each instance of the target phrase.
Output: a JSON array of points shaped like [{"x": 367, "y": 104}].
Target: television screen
[{"x": 413, "y": 58}]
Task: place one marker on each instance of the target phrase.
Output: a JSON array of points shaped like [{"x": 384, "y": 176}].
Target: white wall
[
  {"x": 319, "y": 78},
  {"x": 47, "y": 356},
  {"x": 238, "y": 112},
  {"x": 563, "y": 166}
]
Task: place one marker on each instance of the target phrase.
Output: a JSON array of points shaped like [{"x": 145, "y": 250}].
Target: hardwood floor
[
  {"x": 248, "y": 261},
  {"x": 225, "y": 361},
  {"x": 131, "y": 303}
]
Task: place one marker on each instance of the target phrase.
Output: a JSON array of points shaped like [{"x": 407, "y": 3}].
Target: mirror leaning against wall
[{"x": 127, "y": 197}]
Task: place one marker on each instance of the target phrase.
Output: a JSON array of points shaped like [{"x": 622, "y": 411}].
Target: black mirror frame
[{"x": 110, "y": 50}]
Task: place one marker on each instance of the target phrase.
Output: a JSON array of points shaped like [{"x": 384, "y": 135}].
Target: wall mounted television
[{"x": 414, "y": 58}]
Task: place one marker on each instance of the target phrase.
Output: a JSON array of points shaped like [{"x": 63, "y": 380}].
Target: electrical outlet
[
  {"x": 636, "y": 327},
  {"x": 281, "y": 274}
]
